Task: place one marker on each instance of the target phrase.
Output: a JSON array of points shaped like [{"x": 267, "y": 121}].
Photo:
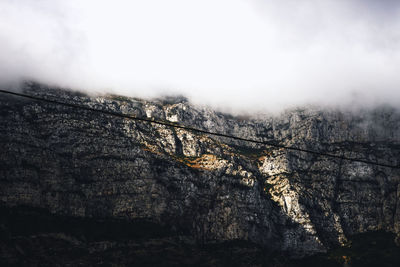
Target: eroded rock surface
[{"x": 84, "y": 164}]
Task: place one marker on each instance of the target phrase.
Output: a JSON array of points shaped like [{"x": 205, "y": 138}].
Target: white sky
[{"x": 241, "y": 55}]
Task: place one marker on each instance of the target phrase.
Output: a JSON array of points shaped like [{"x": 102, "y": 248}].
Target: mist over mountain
[
  {"x": 233, "y": 55},
  {"x": 200, "y": 133}
]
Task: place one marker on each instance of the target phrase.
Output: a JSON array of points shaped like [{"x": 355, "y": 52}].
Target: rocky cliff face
[{"x": 82, "y": 164}]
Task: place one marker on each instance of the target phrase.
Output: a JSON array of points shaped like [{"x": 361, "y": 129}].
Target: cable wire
[{"x": 192, "y": 129}]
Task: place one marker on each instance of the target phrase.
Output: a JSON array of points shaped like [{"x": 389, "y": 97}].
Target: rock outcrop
[{"x": 83, "y": 164}]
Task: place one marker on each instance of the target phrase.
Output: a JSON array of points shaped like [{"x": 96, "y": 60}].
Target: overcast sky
[{"x": 236, "y": 54}]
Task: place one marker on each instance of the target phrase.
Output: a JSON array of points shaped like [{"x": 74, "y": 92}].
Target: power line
[{"x": 169, "y": 124}]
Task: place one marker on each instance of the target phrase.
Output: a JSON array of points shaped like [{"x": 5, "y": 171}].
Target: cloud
[{"x": 234, "y": 54}]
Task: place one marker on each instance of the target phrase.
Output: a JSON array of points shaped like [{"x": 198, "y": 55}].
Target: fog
[{"x": 235, "y": 55}]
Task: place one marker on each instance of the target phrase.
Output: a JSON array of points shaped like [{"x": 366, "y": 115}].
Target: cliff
[{"x": 81, "y": 165}]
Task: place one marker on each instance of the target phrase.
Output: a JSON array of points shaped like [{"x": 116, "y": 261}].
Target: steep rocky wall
[{"x": 78, "y": 163}]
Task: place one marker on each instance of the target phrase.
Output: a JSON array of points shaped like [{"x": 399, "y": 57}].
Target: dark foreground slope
[{"x": 79, "y": 187}]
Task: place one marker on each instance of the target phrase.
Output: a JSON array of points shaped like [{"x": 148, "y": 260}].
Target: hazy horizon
[{"x": 233, "y": 55}]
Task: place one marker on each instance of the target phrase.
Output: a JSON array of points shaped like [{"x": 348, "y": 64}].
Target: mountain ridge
[{"x": 76, "y": 163}]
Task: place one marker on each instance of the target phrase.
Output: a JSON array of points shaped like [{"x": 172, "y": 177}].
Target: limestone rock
[{"x": 79, "y": 163}]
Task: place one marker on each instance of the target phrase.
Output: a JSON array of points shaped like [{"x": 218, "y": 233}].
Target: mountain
[{"x": 84, "y": 187}]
